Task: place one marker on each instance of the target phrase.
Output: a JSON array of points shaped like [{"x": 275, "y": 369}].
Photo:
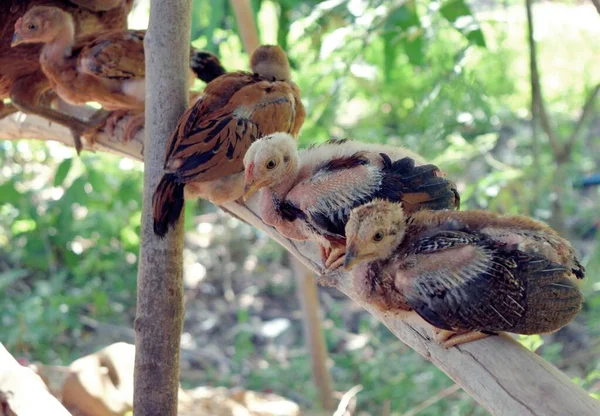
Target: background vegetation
[{"x": 445, "y": 78}]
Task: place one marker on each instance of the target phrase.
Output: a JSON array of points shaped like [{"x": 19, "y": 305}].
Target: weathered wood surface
[{"x": 24, "y": 390}]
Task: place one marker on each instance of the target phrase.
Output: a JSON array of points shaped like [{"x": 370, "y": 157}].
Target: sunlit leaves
[
  {"x": 62, "y": 171},
  {"x": 458, "y": 13},
  {"x": 402, "y": 29}
]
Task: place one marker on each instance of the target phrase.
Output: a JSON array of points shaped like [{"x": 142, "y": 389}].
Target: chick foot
[
  {"x": 335, "y": 258},
  {"x": 449, "y": 339},
  {"x": 80, "y": 128}
]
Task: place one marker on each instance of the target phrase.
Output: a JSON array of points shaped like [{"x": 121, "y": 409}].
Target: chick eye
[
  {"x": 378, "y": 236},
  {"x": 271, "y": 164},
  {"x": 32, "y": 26}
]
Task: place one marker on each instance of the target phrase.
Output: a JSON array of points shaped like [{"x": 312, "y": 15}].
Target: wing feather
[{"x": 115, "y": 55}]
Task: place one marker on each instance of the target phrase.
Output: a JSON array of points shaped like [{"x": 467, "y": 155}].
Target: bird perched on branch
[
  {"x": 21, "y": 78},
  {"x": 108, "y": 67},
  {"x": 205, "y": 66},
  {"x": 309, "y": 194},
  {"x": 204, "y": 155},
  {"x": 469, "y": 273}
]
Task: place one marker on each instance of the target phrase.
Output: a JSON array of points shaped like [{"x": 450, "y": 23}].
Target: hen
[
  {"x": 205, "y": 154},
  {"x": 309, "y": 194},
  {"x": 469, "y": 274},
  {"x": 21, "y": 78}
]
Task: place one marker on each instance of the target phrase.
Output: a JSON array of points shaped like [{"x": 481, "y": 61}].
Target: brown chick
[
  {"x": 309, "y": 194},
  {"x": 471, "y": 273},
  {"x": 204, "y": 156},
  {"x": 21, "y": 77},
  {"x": 108, "y": 68}
]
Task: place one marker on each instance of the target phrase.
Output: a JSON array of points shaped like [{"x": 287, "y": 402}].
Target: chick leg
[
  {"x": 26, "y": 94},
  {"x": 449, "y": 339},
  {"x": 134, "y": 125}
]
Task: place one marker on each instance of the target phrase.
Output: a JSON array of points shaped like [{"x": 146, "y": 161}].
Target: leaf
[
  {"x": 458, "y": 13},
  {"x": 8, "y": 277},
  {"x": 402, "y": 28},
  {"x": 62, "y": 171}
]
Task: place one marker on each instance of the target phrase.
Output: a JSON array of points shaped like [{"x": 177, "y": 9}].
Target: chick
[
  {"x": 469, "y": 274},
  {"x": 204, "y": 157},
  {"x": 21, "y": 77},
  {"x": 309, "y": 194},
  {"x": 107, "y": 67}
]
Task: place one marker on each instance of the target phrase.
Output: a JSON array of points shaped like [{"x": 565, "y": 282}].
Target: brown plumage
[
  {"x": 106, "y": 67},
  {"x": 21, "y": 78},
  {"x": 309, "y": 194},
  {"x": 205, "y": 153},
  {"x": 464, "y": 271}
]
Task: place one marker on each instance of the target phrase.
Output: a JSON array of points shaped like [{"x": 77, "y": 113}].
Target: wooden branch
[
  {"x": 159, "y": 315},
  {"x": 586, "y": 111},
  {"x": 24, "y": 390},
  {"x": 498, "y": 372},
  {"x": 313, "y": 333},
  {"x": 246, "y": 24},
  {"x": 536, "y": 89}
]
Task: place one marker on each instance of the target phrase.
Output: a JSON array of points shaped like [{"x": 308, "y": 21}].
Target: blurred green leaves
[{"x": 458, "y": 13}]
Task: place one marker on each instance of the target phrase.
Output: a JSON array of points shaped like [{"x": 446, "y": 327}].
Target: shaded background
[{"x": 447, "y": 79}]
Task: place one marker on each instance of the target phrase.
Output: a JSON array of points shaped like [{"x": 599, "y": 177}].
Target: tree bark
[
  {"x": 159, "y": 317},
  {"x": 499, "y": 373}
]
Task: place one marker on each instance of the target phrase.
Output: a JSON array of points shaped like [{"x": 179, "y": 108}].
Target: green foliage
[{"x": 433, "y": 76}]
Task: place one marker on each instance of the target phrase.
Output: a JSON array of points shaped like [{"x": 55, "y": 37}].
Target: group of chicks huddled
[{"x": 379, "y": 212}]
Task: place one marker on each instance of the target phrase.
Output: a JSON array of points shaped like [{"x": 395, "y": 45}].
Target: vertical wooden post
[{"x": 159, "y": 319}]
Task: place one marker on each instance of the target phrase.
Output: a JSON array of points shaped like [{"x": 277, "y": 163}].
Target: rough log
[
  {"x": 498, "y": 372},
  {"x": 159, "y": 315}
]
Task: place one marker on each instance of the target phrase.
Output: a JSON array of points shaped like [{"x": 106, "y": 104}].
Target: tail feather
[
  {"x": 167, "y": 203},
  {"x": 418, "y": 186},
  {"x": 205, "y": 65}
]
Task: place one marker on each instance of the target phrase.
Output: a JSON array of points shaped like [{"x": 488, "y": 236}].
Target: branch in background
[
  {"x": 596, "y": 5},
  {"x": 246, "y": 24},
  {"x": 442, "y": 394},
  {"x": 159, "y": 314},
  {"x": 499, "y": 373},
  {"x": 24, "y": 391},
  {"x": 313, "y": 332},
  {"x": 586, "y": 111},
  {"x": 536, "y": 89}
]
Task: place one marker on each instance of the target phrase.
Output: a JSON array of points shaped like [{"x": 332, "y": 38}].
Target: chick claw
[
  {"x": 449, "y": 339},
  {"x": 335, "y": 258},
  {"x": 80, "y": 128}
]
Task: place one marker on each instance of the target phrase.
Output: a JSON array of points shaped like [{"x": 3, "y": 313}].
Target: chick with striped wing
[
  {"x": 106, "y": 67},
  {"x": 204, "y": 157},
  {"x": 468, "y": 274},
  {"x": 309, "y": 194}
]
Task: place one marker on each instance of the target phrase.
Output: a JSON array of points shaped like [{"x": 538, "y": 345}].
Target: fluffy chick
[
  {"x": 108, "y": 68},
  {"x": 204, "y": 157},
  {"x": 471, "y": 273},
  {"x": 309, "y": 194},
  {"x": 21, "y": 77}
]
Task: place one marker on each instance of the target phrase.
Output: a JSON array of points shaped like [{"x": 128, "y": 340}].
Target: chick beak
[
  {"x": 351, "y": 256},
  {"x": 16, "y": 39},
  {"x": 250, "y": 188}
]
